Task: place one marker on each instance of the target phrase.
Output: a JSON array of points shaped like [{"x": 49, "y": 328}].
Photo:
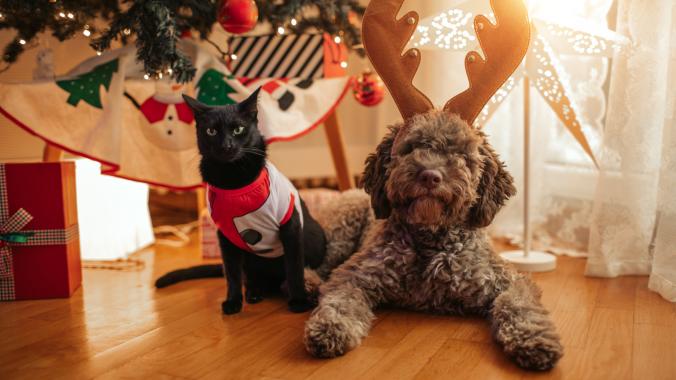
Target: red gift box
[{"x": 39, "y": 245}]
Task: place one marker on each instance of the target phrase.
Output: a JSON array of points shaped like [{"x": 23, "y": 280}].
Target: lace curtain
[{"x": 633, "y": 222}]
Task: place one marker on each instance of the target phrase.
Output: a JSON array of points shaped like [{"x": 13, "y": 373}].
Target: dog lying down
[{"x": 437, "y": 187}]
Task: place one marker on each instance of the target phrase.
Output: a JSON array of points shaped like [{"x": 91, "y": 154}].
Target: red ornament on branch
[
  {"x": 238, "y": 16},
  {"x": 368, "y": 89}
]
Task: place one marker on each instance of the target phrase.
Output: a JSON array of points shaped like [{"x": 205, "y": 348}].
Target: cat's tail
[{"x": 192, "y": 273}]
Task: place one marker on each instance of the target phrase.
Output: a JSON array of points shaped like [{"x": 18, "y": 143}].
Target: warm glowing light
[
  {"x": 281, "y": 30},
  {"x": 449, "y": 30},
  {"x": 87, "y": 33},
  {"x": 233, "y": 57},
  {"x": 294, "y": 22},
  {"x": 343, "y": 64},
  {"x": 22, "y": 41},
  {"x": 70, "y": 15},
  {"x": 126, "y": 31},
  {"x": 62, "y": 15},
  {"x": 337, "y": 39},
  {"x": 146, "y": 76}
]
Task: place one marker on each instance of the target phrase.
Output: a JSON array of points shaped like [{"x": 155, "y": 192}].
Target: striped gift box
[{"x": 286, "y": 56}]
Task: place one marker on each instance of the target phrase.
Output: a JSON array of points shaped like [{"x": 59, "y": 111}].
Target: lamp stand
[{"x": 527, "y": 260}]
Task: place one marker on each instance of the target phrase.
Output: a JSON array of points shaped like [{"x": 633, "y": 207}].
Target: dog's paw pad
[{"x": 231, "y": 307}]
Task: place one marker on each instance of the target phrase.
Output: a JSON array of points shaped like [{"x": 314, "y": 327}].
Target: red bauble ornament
[
  {"x": 238, "y": 16},
  {"x": 368, "y": 89}
]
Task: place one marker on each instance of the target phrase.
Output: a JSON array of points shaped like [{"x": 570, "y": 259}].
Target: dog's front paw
[
  {"x": 539, "y": 353},
  {"x": 325, "y": 338},
  {"x": 230, "y": 307},
  {"x": 300, "y": 305}
]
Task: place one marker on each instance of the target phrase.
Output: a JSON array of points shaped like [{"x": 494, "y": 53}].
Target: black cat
[{"x": 265, "y": 230}]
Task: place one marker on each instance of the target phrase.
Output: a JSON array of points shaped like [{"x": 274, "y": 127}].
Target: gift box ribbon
[
  {"x": 12, "y": 233},
  {"x": 15, "y": 237}
]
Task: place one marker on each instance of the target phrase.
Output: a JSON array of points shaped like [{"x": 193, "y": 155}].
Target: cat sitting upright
[{"x": 264, "y": 228}]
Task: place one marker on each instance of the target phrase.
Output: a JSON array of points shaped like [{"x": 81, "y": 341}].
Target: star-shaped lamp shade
[{"x": 453, "y": 30}]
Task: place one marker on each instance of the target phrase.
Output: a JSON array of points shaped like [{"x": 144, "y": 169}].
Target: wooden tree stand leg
[
  {"x": 201, "y": 200},
  {"x": 51, "y": 153},
  {"x": 337, "y": 146}
]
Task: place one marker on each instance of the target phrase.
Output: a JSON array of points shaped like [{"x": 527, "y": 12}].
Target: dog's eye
[
  {"x": 405, "y": 149},
  {"x": 211, "y": 132}
]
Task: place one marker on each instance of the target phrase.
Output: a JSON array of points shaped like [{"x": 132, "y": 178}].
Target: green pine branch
[{"x": 156, "y": 25}]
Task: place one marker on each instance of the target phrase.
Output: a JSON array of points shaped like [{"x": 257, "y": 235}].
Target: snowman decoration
[{"x": 169, "y": 117}]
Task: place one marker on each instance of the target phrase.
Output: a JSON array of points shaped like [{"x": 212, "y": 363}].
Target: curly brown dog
[{"x": 438, "y": 187}]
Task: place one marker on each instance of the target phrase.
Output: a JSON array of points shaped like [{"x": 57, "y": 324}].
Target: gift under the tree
[
  {"x": 307, "y": 55},
  {"x": 39, "y": 245}
]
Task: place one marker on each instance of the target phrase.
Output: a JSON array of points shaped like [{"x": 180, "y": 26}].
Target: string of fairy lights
[{"x": 105, "y": 21}]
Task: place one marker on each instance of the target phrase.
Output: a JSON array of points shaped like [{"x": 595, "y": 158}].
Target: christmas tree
[
  {"x": 86, "y": 86},
  {"x": 213, "y": 89},
  {"x": 156, "y": 25}
]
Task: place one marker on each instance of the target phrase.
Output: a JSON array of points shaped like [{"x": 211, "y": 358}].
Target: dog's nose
[{"x": 430, "y": 178}]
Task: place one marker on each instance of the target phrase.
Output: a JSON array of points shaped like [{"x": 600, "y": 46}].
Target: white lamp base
[{"x": 535, "y": 262}]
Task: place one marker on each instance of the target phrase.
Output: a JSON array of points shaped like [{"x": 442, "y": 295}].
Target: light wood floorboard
[{"x": 118, "y": 326}]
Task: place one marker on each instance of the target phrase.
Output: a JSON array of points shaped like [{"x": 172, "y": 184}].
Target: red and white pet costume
[{"x": 250, "y": 217}]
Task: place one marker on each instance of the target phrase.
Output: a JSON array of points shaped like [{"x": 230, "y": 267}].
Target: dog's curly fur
[{"x": 431, "y": 253}]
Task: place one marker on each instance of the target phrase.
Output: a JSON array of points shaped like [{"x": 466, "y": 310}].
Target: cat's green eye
[
  {"x": 211, "y": 132},
  {"x": 238, "y": 131}
]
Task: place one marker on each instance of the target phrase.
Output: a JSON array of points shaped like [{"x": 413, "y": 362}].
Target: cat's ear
[
  {"x": 195, "y": 105},
  {"x": 249, "y": 106}
]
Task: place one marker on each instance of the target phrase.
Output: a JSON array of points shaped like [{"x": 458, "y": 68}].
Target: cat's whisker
[{"x": 256, "y": 152}]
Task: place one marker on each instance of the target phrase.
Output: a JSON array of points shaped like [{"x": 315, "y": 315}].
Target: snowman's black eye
[
  {"x": 211, "y": 132},
  {"x": 170, "y": 118}
]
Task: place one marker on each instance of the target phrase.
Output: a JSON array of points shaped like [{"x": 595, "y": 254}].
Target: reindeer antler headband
[{"x": 504, "y": 45}]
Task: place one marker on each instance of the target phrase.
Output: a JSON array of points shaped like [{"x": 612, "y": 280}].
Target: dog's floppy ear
[
  {"x": 375, "y": 175},
  {"x": 495, "y": 187}
]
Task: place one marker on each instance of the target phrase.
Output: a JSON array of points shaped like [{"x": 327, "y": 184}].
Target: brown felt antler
[
  {"x": 504, "y": 45},
  {"x": 384, "y": 38}
]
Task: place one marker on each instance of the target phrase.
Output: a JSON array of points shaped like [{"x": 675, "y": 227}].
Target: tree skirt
[{"x": 141, "y": 129}]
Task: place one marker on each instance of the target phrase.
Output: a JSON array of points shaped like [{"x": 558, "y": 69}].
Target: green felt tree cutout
[
  {"x": 213, "y": 88},
  {"x": 86, "y": 86}
]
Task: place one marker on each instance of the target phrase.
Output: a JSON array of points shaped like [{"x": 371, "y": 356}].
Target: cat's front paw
[
  {"x": 300, "y": 305},
  {"x": 230, "y": 307}
]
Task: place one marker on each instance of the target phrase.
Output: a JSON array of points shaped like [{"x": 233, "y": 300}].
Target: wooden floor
[{"x": 118, "y": 326}]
